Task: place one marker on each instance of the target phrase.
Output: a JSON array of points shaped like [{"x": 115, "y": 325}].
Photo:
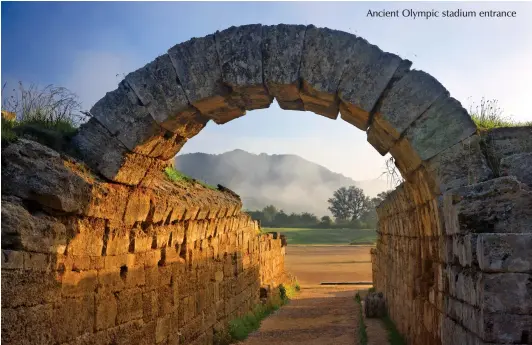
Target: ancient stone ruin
[{"x": 117, "y": 254}]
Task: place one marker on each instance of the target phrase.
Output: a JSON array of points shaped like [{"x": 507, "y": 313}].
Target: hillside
[{"x": 286, "y": 181}]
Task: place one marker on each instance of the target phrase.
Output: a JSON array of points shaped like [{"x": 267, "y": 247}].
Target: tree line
[{"x": 350, "y": 208}]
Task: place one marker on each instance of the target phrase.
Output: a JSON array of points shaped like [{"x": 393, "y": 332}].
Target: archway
[{"x": 408, "y": 113}]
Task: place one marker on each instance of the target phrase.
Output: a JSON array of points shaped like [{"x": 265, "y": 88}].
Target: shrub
[
  {"x": 177, "y": 176},
  {"x": 488, "y": 115}
]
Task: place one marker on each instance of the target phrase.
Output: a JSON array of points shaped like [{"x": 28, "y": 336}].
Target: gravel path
[{"x": 317, "y": 316}]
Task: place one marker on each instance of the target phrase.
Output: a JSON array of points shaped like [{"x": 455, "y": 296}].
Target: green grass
[
  {"x": 178, "y": 176},
  {"x": 241, "y": 327},
  {"x": 362, "y": 332},
  {"x": 490, "y": 122},
  {"x": 394, "y": 337},
  {"x": 308, "y": 236}
]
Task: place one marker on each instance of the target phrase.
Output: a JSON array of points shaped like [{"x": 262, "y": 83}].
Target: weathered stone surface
[
  {"x": 240, "y": 55},
  {"x": 443, "y": 125},
  {"x": 505, "y": 252},
  {"x": 406, "y": 100},
  {"x": 366, "y": 76},
  {"x": 282, "y": 46},
  {"x": 460, "y": 165},
  {"x": 103, "y": 153},
  {"x": 198, "y": 69},
  {"x": 325, "y": 55},
  {"x": 518, "y": 165},
  {"x": 34, "y": 172},
  {"x": 503, "y": 142},
  {"x": 35, "y": 233},
  {"x": 502, "y": 205},
  {"x": 157, "y": 87}
]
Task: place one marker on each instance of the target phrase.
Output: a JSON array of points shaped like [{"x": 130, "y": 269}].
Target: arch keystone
[
  {"x": 282, "y": 46},
  {"x": 325, "y": 54},
  {"x": 240, "y": 56}
]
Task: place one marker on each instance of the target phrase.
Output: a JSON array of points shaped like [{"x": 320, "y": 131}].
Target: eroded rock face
[{"x": 36, "y": 173}]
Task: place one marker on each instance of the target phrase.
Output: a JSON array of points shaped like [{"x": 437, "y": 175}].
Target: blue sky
[{"x": 85, "y": 45}]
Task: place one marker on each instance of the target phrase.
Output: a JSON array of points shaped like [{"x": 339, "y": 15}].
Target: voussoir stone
[
  {"x": 406, "y": 100},
  {"x": 364, "y": 80},
  {"x": 282, "y": 46},
  {"x": 157, "y": 88},
  {"x": 198, "y": 69},
  {"x": 240, "y": 55},
  {"x": 460, "y": 165},
  {"x": 103, "y": 153},
  {"x": 325, "y": 55},
  {"x": 444, "y": 124},
  {"x": 35, "y": 172}
]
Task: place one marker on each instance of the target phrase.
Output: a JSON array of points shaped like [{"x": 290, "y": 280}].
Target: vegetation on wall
[
  {"x": 49, "y": 115},
  {"x": 488, "y": 115}
]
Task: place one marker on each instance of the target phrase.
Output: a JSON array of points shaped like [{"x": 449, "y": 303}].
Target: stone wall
[
  {"x": 85, "y": 261},
  {"x": 457, "y": 268}
]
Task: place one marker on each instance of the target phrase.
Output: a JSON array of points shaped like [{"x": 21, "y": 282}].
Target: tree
[
  {"x": 326, "y": 221},
  {"x": 370, "y": 216},
  {"x": 269, "y": 213},
  {"x": 348, "y": 203}
]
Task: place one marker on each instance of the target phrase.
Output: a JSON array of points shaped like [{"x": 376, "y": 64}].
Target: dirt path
[
  {"x": 317, "y": 316},
  {"x": 377, "y": 334}
]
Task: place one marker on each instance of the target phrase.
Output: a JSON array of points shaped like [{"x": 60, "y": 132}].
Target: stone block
[
  {"x": 105, "y": 154},
  {"x": 106, "y": 311},
  {"x": 324, "y": 57},
  {"x": 240, "y": 54},
  {"x": 282, "y": 46},
  {"x": 12, "y": 260},
  {"x": 518, "y": 165},
  {"x": 504, "y": 142},
  {"x": 162, "y": 329},
  {"x": 38, "y": 233},
  {"x": 38, "y": 173},
  {"x": 365, "y": 78},
  {"x": 28, "y": 325},
  {"x": 88, "y": 236},
  {"x": 79, "y": 284},
  {"x": 157, "y": 87},
  {"x": 72, "y": 318},
  {"x": 406, "y": 100},
  {"x": 138, "y": 207},
  {"x": 29, "y": 288},
  {"x": 462, "y": 164},
  {"x": 198, "y": 69},
  {"x": 502, "y": 205},
  {"x": 129, "y": 305},
  {"x": 505, "y": 252}
]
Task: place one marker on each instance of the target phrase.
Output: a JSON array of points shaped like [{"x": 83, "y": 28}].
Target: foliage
[
  {"x": 177, "y": 176},
  {"x": 362, "y": 332},
  {"x": 269, "y": 216},
  {"x": 50, "y": 106},
  {"x": 394, "y": 337},
  {"x": 48, "y": 115},
  {"x": 348, "y": 203},
  {"x": 488, "y": 115},
  {"x": 241, "y": 327}
]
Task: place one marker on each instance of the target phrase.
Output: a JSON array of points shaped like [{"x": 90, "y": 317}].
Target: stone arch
[
  {"x": 157, "y": 108},
  {"x": 137, "y": 128}
]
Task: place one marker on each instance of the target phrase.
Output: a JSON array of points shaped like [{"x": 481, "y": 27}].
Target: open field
[
  {"x": 315, "y": 264},
  {"x": 307, "y": 236}
]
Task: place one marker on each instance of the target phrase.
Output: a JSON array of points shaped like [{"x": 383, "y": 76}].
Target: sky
[{"x": 89, "y": 47}]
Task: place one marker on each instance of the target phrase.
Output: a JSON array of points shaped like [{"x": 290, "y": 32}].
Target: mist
[{"x": 288, "y": 182}]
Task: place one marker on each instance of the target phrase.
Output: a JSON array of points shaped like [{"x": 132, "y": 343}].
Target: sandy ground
[
  {"x": 322, "y": 315},
  {"x": 317, "y": 316},
  {"x": 315, "y": 264}
]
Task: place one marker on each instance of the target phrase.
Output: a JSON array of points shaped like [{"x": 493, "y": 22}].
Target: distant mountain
[{"x": 289, "y": 182}]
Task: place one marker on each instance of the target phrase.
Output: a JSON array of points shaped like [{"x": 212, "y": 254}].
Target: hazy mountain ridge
[{"x": 287, "y": 181}]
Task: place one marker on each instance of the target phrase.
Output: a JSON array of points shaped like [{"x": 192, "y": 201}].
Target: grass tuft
[
  {"x": 241, "y": 327},
  {"x": 362, "y": 332},
  {"x": 177, "y": 176},
  {"x": 394, "y": 337}
]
